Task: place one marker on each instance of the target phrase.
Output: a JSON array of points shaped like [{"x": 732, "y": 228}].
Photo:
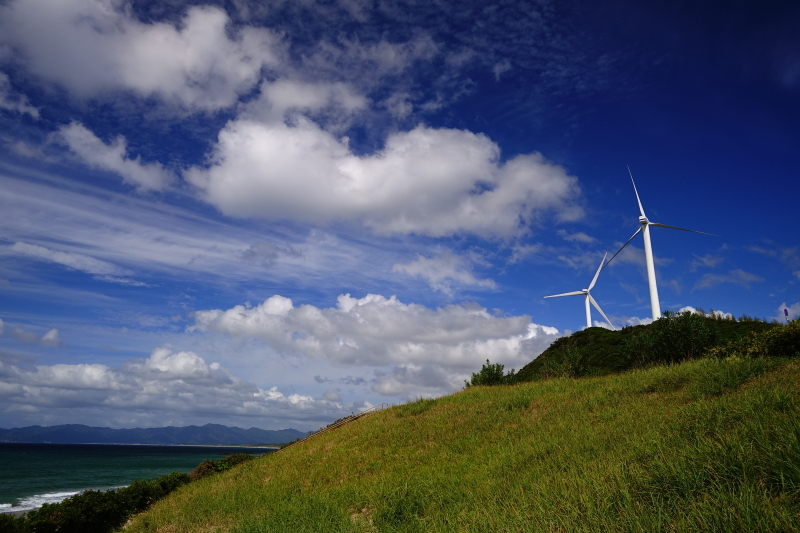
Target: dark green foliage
[
  {"x": 778, "y": 341},
  {"x": 592, "y": 351},
  {"x": 674, "y": 337},
  {"x": 209, "y": 467},
  {"x": 94, "y": 511},
  {"x": 491, "y": 374},
  {"x": 671, "y": 339}
]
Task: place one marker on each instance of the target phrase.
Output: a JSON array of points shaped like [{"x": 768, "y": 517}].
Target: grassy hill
[
  {"x": 706, "y": 445},
  {"x": 598, "y": 351}
]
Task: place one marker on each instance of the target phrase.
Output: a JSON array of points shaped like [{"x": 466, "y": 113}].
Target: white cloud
[
  {"x": 2, "y": 327},
  {"x": 520, "y": 252},
  {"x": 13, "y": 101},
  {"x": 443, "y": 271},
  {"x": 92, "y": 47},
  {"x": 51, "y": 339},
  {"x": 735, "y": 277},
  {"x": 113, "y": 158},
  {"x": 427, "y": 181},
  {"x": 636, "y": 321},
  {"x": 177, "y": 385},
  {"x": 379, "y": 332},
  {"x": 501, "y": 68},
  {"x": 712, "y": 313},
  {"x": 794, "y": 311},
  {"x": 73, "y": 260},
  {"x": 576, "y": 237},
  {"x": 707, "y": 260}
]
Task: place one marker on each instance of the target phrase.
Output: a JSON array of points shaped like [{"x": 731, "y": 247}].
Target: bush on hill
[
  {"x": 491, "y": 374},
  {"x": 672, "y": 338}
]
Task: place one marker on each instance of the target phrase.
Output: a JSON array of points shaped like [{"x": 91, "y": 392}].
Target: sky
[{"x": 273, "y": 214}]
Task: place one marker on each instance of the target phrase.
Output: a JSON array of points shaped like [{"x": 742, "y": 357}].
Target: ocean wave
[{"x": 30, "y": 503}]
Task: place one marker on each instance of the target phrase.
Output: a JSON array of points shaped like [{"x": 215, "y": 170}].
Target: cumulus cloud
[
  {"x": 13, "y": 101},
  {"x": 180, "y": 385},
  {"x": 376, "y": 331},
  {"x": 712, "y": 313},
  {"x": 736, "y": 277},
  {"x": 443, "y": 271},
  {"x": 794, "y": 311},
  {"x": 426, "y": 181},
  {"x": 636, "y": 321},
  {"x": 201, "y": 63},
  {"x": 113, "y": 158}
]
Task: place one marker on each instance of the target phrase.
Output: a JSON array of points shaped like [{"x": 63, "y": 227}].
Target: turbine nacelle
[{"x": 655, "y": 306}]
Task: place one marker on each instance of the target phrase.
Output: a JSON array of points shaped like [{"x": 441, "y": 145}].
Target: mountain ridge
[{"x": 208, "y": 434}]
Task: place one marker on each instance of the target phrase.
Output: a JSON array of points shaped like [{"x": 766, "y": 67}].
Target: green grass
[{"x": 705, "y": 445}]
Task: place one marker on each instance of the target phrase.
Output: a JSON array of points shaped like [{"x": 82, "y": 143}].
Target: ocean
[{"x": 34, "y": 474}]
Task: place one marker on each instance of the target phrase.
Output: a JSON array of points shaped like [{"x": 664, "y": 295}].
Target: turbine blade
[
  {"x": 682, "y": 229},
  {"x": 597, "y": 306},
  {"x": 565, "y": 294},
  {"x": 641, "y": 209},
  {"x": 624, "y": 245},
  {"x": 596, "y": 274}
]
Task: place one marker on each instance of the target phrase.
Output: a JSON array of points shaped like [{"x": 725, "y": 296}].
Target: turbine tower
[
  {"x": 588, "y": 297},
  {"x": 644, "y": 229}
]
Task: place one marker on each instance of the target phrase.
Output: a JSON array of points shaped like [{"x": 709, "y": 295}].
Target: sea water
[{"x": 34, "y": 474}]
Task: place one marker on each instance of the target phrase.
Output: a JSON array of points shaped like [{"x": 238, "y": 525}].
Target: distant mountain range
[{"x": 208, "y": 434}]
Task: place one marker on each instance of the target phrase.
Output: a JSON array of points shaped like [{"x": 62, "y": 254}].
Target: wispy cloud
[
  {"x": 51, "y": 339},
  {"x": 14, "y": 101},
  {"x": 444, "y": 272},
  {"x": 707, "y": 260},
  {"x": 736, "y": 277},
  {"x": 576, "y": 237},
  {"x": 113, "y": 157}
]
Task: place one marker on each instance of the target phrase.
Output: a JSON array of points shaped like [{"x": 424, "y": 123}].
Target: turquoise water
[{"x": 34, "y": 474}]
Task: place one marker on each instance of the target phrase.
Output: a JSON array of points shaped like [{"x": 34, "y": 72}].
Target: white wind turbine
[
  {"x": 655, "y": 305},
  {"x": 588, "y": 297}
]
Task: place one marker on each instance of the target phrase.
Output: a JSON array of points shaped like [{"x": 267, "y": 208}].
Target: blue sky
[{"x": 276, "y": 213}]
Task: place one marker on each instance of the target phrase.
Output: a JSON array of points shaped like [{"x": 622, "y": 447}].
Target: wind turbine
[
  {"x": 588, "y": 297},
  {"x": 644, "y": 229}
]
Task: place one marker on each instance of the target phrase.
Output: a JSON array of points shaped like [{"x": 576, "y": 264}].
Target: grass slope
[{"x": 706, "y": 445}]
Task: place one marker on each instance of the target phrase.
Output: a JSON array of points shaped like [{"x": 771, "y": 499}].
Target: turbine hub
[{"x": 643, "y": 220}]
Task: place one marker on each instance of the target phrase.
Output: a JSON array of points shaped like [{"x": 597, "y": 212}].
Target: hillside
[
  {"x": 598, "y": 351},
  {"x": 705, "y": 445},
  {"x": 207, "y": 434}
]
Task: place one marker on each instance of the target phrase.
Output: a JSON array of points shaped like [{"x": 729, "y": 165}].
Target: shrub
[
  {"x": 209, "y": 467},
  {"x": 671, "y": 339},
  {"x": 491, "y": 374},
  {"x": 95, "y": 511},
  {"x": 780, "y": 341}
]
